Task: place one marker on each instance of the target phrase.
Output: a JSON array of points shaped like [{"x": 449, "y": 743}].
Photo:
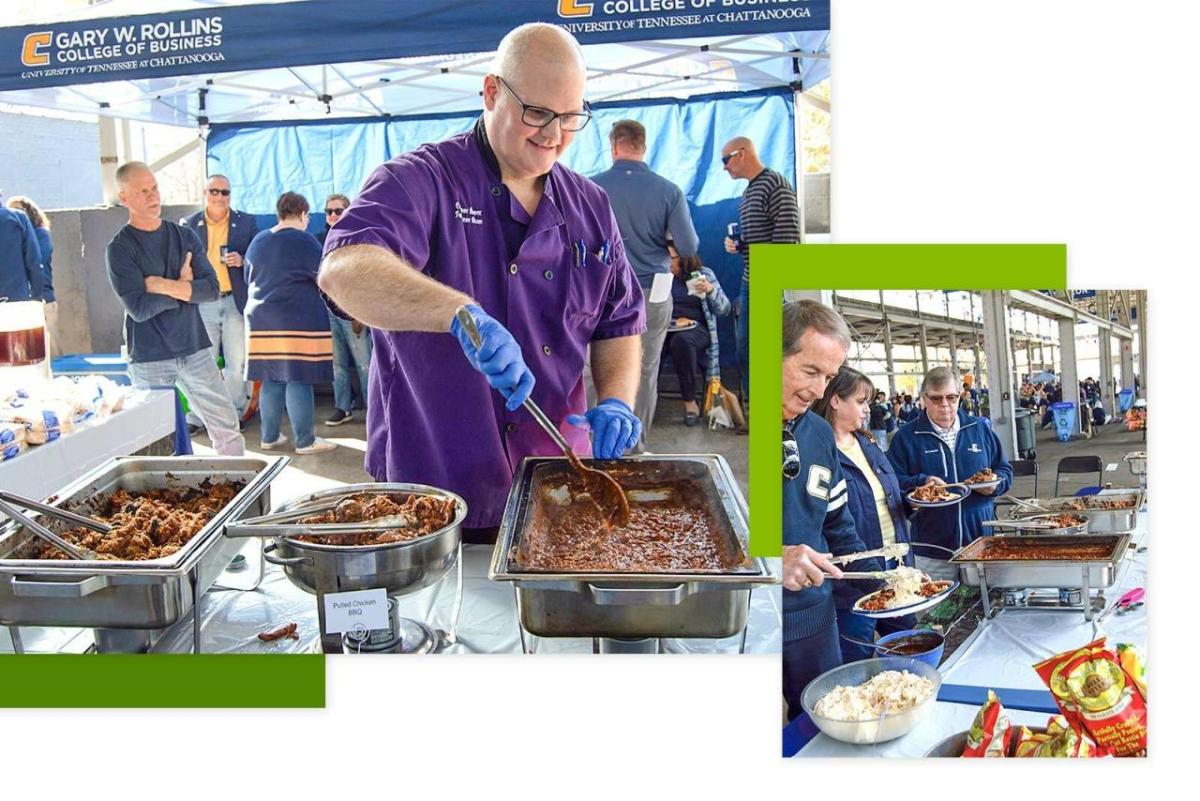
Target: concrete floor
[
  {"x": 1111, "y": 442},
  {"x": 345, "y": 465}
]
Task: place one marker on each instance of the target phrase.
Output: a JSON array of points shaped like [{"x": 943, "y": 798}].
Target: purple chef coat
[{"x": 432, "y": 418}]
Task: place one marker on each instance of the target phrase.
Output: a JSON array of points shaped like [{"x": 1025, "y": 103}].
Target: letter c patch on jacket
[{"x": 818, "y": 481}]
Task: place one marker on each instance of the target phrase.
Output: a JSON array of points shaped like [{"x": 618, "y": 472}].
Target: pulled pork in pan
[{"x": 146, "y": 525}]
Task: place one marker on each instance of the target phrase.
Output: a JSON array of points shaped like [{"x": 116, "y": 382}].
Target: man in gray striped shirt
[{"x": 768, "y": 212}]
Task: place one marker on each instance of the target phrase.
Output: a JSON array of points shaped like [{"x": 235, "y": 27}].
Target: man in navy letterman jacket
[
  {"x": 816, "y": 518},
  {"x": 942, "y": 446}
]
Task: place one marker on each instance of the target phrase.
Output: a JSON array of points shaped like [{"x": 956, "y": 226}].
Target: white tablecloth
[
  {"x": 487, "y": 622},
  {"x": 1002, "y": 652}
]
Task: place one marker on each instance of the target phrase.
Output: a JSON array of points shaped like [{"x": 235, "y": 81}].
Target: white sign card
[{"x": 360, "y": 611}]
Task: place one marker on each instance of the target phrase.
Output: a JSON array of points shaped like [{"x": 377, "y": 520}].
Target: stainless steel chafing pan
[{"x": 633, "y": 605}]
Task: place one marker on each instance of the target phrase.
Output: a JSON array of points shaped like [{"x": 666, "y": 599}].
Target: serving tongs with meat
[
  {"x": 601, "y": 488},
  {"x": 1061, "y": 522},
  {"x": 365, "y": 518},
  {"x": 72, "y": 551}
]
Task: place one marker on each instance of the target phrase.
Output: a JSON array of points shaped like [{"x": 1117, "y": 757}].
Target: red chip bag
[
  {"x": 1051, "y": 671},
  {"x": 1109, "y": 702},
  {"x": 991, "y": 732}
]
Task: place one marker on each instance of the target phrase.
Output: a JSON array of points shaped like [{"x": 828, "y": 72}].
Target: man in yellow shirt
[{"x": 226, "y": 234}]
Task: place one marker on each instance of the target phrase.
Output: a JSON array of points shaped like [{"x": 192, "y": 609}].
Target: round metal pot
[{"x": 397, "y": 567}]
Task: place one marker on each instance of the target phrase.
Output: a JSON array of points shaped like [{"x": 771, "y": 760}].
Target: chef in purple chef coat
[{"x": 490, "y": 221}]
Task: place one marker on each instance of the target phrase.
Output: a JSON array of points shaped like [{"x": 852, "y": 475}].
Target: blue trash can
[
  {"x": 1064, "y": 420},
  {"x": 1125, "y": 400}
]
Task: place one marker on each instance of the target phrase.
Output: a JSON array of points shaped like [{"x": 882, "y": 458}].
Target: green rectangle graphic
[
  {"x": 778, "y": 268},
  {"x": 162, "y": 680}
]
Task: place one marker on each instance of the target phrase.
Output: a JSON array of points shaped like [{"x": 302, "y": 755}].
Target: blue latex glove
[
  {"x": 498, "y": 357},
  {"x": 615, "y": 428}
]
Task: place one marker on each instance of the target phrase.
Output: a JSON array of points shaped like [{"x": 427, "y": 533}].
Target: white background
[{"x": 1026, "y": 114}]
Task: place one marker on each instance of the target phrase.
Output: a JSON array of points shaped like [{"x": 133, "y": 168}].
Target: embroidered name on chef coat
[{"x": 467, "y": 215}]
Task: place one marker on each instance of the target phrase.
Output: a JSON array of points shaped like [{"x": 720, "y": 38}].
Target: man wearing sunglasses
[
  {"x": 945, "y": 445},
  {"x": 816, "y": 517},
  {"x": 767, "y": 212},
  {"x": 490, "y": 225},
  {"x": 351, "y": 339},
  {"x": 226, "y": 234}
]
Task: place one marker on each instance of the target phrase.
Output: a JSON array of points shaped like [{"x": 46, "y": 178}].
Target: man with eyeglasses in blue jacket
[{"x": 945, "y": 445}]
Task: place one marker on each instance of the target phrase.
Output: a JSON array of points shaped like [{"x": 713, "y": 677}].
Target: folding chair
[
  {"x": 1026, "y": 467},
  {"x": 1079, "y": 464}
]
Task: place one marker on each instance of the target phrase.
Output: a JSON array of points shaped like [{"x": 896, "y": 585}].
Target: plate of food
[
  {"x": 935, "y": 495},
  {"x": 681, "y": 324},
  {"x": 908, "y": 590},
  {"x": 984, "y": 479}
]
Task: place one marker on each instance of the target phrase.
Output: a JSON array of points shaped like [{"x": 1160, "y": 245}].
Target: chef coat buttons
[
  {"x": 511, "y": 428},
  {"x": 549, "y": 274},
  {"x": 546, "y": 349},
  {"x": 495, "y": 191},
  {"x": 512, "y": 268}
]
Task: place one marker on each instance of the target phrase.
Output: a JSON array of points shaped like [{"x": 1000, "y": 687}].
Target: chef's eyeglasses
[
  {"x": 214, "y": 192},
  {"x": 791, "y": 455},
  {"x": 538, "y": 117}
]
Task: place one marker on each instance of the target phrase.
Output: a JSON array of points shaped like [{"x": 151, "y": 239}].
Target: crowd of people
[
  {"x": 215, "y": 287},
  {"x": 846, "y": 496},
  {"x": 578, "y": 287}
]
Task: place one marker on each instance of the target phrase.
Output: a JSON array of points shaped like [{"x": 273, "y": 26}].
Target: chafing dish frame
[
  {"x": 1100, "y": 521},
  {"x": 147, "y": 595},
  {"x": 1084, "y": 574},
  {"x": 399, "y": 568},
  {"x": 632, "y": 605}
]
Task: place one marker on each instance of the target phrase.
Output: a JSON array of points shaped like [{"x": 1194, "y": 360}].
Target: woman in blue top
[
  {"x": 874, "y": 502},
  {"x": 289, "y": 347},
  {"x": 688, "y": 346}
]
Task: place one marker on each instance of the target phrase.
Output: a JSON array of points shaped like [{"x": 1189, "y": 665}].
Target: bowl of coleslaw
[{"x": 873, "y": 700}]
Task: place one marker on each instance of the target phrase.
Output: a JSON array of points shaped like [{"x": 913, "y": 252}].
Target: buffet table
[
  {"x": 1000, "y": 654},
  {"x": 147, "y": 416},
  {"x": 232, "y": 619}
]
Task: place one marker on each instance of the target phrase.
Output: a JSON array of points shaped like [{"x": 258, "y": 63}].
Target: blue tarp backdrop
[{"x": 685, "y": 139}]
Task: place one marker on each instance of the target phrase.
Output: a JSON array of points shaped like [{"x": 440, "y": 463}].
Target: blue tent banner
[{"x": 237, "y": 38}]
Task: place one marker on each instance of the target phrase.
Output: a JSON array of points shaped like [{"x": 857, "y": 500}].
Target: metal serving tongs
[
  {"x": 894, "y": 551},
  {"x": 53, "y": 511},
  {"x": 287, "y": 524},
  {"x": 1017, "y": 524},
  {"x": 603, "y": 489},
  {"x": 1028, "y": 504},
  {"x": 73, "y": 551}
]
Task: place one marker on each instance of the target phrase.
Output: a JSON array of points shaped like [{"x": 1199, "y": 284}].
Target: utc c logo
[
  {"x": 574, "y": 8},
  {"x": 31, "y": 52}
]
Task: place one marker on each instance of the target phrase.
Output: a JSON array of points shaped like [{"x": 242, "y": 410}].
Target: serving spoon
[{"x": 602, "y": 488}]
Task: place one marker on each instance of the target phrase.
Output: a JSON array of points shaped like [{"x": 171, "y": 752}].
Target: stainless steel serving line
[
  {"x": 129, "y": 603},
  {"x": 631, "y": 611}
]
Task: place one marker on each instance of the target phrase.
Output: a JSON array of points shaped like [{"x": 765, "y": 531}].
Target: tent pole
[
  {"x": 798, "y": 129},
  {"x": 109, "y": 159}
]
